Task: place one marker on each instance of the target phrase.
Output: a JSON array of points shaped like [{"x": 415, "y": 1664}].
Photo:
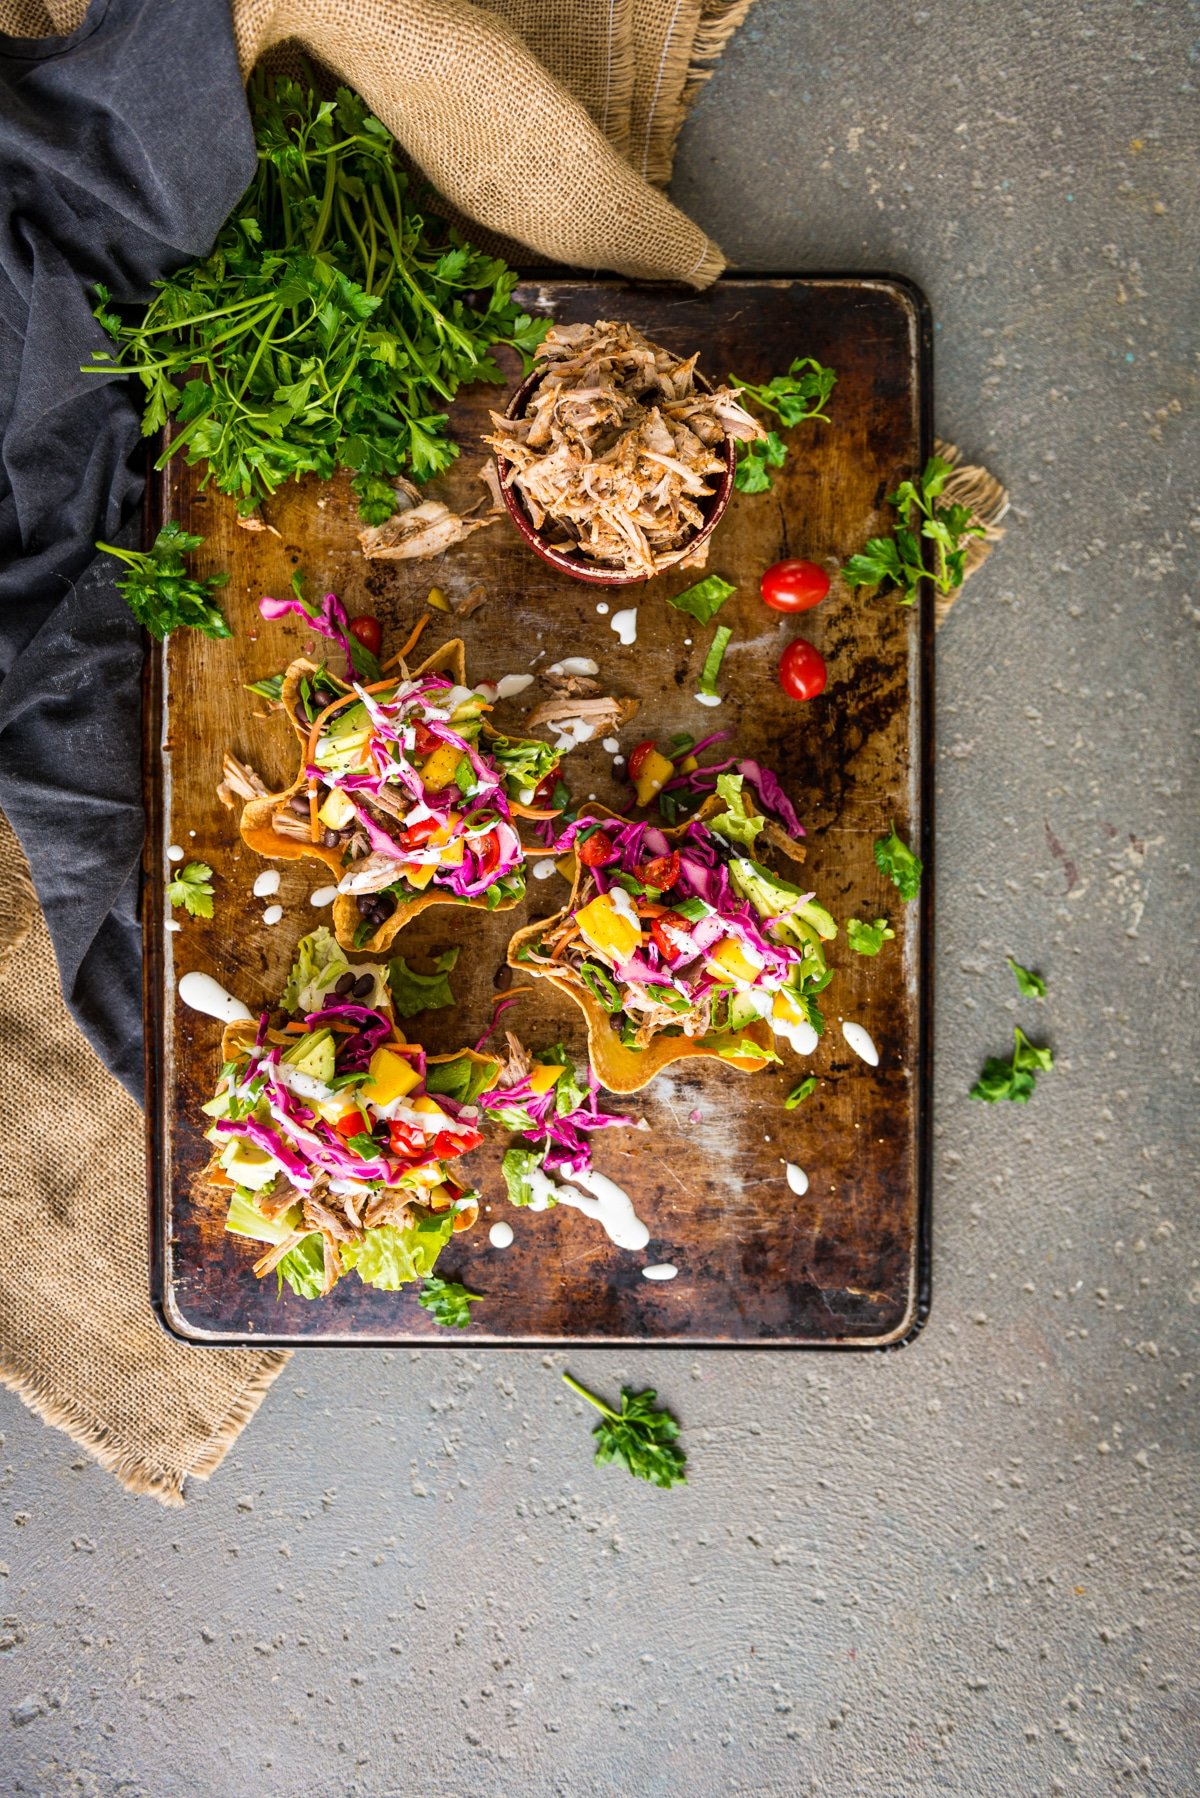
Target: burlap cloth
[{"x": 547, "y": 122}]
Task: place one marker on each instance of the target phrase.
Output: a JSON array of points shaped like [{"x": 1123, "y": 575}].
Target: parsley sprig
[
  {"x": 192, "y": 888},
  {"x": 898, "y": 561},
  {"x": 868, "y": 939},
  {"x": 795, "y": 397},
  {"x": 330, "y": 326},
  {"x": 447, "y": 1302},
  {"x": 1029, "y": 985},
  {"x": 160, "y": 592},
  {"x": 641, "y": 1436},
  {"x": 894, "y": 858},
  {"x": 1016, "y": 1078}
]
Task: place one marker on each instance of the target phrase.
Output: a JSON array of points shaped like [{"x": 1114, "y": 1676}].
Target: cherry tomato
[
  {"x": 407, "y": 1140},
  {"x": 637, "y": 757},
  {"x": 488, "y": 850},
  {"x": 426, "y": 742},
  {"x": 662, "y": 872},
  {"x": 352, "y": 1123},
  {"x": 420, "y": 832},
  {"x": 449, "y": 1143},
  {"x": 662, "y": 931},
  {"x": 369, "y": 632},
  {"x": 595, "y": 850},
  {"x": 543, "y": 793},
  {"x": 802, "y": 670},
  {"x": 793, "y": 586}
]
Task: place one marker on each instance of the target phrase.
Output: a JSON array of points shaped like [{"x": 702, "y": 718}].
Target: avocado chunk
[{"x": 313, "y": 1055}]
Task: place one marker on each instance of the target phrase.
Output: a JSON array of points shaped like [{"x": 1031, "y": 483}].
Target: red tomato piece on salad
[
  {"x": 426, "y": 742},
  {"x": 794, "y": 586},
  {"x": 802, "y": 671},
  {"x": 543, "y": 793},
  {"x": 661, "y": 872},
  {"x": 352, "y": 1123},
  {"x": 595, "y": 849},
  {"x": 420, "y": 832},
  {"x": 369, "y": 632},
  {"x": 670, "y": 934},
  {"x": 637, "y": 757},
  {"x": 488, "y": 850},
  {"x": 406, "y": 1140},
  {"x": 449, "y": 1143}
]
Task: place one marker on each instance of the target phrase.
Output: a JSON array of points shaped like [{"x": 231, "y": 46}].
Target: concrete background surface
[{"x": 965, "y": 1568}]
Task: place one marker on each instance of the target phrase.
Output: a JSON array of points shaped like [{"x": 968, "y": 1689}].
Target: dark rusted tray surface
[{"x": 844, "y": 1264}]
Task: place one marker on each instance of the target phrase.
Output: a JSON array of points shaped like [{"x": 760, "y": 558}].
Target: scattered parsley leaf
[
  {"x": 752, "y": 461},
  {"x": 704, "y": 600},
  {"x": 894, "y": 858},
  {"x": 796, "y": 396},
  {"x": 1031, "y": 986},
  {"x": 713, "y": 660},
  {"x": 1013, "y": 1079},
  {"x": 160, "y": 592},
  {"x": 898, "y": 561},
  {"x": 192, "y": 888},
  {"x": 447, "y": 1302},
  {"x": 868, "y": 939},
  {"x": 799, "y": 1093},
  {"x": 641, "y": 1436}
]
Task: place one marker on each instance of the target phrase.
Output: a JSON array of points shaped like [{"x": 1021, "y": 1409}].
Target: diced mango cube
[
  {"x": 603, "y": 926},
  {"x": 729, "y": 958},
  {"x": 429, "y": 1108},
  {"x": 389, "y": 1077},
  {"x": 543, "y": 1076},
  {"x": 419, "y": 874},
  {"x": 439, "y": 769},
  {"x": 652, "y": 774},
  {"x": 337, "y": 810}
]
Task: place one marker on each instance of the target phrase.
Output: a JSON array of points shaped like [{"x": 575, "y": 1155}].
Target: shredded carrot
[
  {"x": 413, "y": 638},
  {"x": 560, "y": 947},
  {"x": 296, "y": 1029},
  {"x": 525, "y": 811}
]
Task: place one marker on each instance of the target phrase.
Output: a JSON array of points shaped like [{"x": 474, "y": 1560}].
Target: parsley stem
[{"x": 589, "y": 1396}]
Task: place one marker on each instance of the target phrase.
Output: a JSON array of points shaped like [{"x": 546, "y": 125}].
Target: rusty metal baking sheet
[{"x": 842, "y": 1264}]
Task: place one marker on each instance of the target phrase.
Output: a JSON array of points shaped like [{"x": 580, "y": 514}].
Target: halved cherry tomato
[
  {"x": 637, "y": 757},
  {"x": 661, "y": 872},
  {"x": 449, "y": 1143},
  {"x": 368, "y": 630},
  {"x": 407, "y": 1140},
  {"x": 420, "y": 832},
  {"x": 594, "y": 850},
  {"x": 426, "y": 742},
  {"x": 543, "y": 793},
  {"x": 802, "y": 670},
  {"x": 661, "y": 931},
  {"x": 793, "y": 586},
  {"x": 488, "y": 850},
  {"x": 352, "y": 1123}
]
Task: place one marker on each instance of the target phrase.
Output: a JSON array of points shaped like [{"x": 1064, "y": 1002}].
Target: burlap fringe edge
[
  {"x": 22, "y": 899},
  {"x": 683, "y": 69},
  {"x": 988, "y": 501},
  {"x": 125, "y": 1464}
]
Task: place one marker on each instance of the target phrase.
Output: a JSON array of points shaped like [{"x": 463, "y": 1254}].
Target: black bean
[
  {"x": 502, "y": 979},
  {"x": 363, "y": 985},
  {"x": 365, "y": 903},
  {"x": 299, "y": 804},
  {"x": 330, "y": 839},
  {"x": 344, "y": 985},
  {"x": 386, "y": 903}
]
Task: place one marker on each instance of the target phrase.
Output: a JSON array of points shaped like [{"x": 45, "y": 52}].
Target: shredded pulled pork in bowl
[{"x": 621, "y": 455}]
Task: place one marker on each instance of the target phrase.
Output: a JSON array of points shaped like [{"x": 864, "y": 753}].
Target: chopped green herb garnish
[
  {"x": 799, "y": 1093},
  {"x": 192, "y": 888},
  {"x": 642, "y": 1436},
  {"x": 1031, "y": 986},
  {"x": 447, "y": 1302},
  {"x": 894, "y": 858},
  {"x": 868, "y": 939},
  {"x": 1013, "y": 1079}
]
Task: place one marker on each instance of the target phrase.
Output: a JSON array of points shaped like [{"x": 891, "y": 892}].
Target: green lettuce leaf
[
  {"x": 413, "y": 992},
  {"x": 394, "y": 1255},
  {"x": 517, "y": 1166},
  {"x": 524, "y": 761},
  {"x": 304, "y": 1268},
  {"x": 245, "y": 1219},
  {"x": 462, "y": 1079},
  {"x": 704, "y": 600},
  {"x": 713, "y": 660},
  {"x": 734, "y": 822}
]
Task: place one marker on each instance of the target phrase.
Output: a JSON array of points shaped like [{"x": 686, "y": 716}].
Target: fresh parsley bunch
[
  {"x": 332, "y": 324},
  {"x": 640, "y": 1436},
  {"x": 898, "y": 561},
  {"x": 161, "y": 593}
]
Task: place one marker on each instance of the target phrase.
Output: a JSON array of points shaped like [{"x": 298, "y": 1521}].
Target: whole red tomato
[
  {"x": 802, "y": 670},
  {"x": 794, "y": 586}
]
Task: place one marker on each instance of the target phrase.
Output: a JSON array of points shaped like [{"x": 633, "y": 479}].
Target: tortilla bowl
[{"x": 624, "y": 1070}]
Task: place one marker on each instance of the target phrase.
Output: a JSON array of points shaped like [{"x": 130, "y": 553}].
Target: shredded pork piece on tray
[
  {"x": 600, "y": 715},
  {"x": 615, "y": 450},
  {"x": 517, "y": 1062},
  {"x": 424, "y": 530},
  {"x": 239, "y": 781}
]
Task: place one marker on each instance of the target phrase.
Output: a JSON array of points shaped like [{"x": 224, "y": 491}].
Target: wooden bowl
[{"x": 583, "y": 568}]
